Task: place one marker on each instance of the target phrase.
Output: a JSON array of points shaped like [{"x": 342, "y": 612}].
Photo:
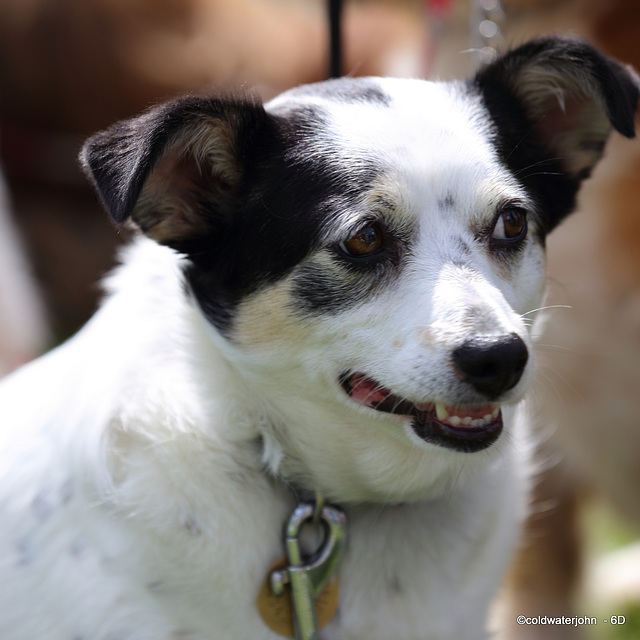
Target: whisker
[
  {"x": 551, "y": 306},
  {"x": 563, "y": 380},
  {"x": 523, "y": 138},
  {"x": 542, "y": 173},
  {"x": 556, "y": 391},
  {"x": 558, "y": 347},
  {"x": 536, "y": 164},
  {"x": 455, "y": 483}
]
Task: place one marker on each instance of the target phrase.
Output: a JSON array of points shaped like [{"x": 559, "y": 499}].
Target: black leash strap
[{"x": 335, "y": 38}]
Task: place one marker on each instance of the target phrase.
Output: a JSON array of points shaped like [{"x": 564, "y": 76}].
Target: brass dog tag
[{"x": 277, "y": 611}]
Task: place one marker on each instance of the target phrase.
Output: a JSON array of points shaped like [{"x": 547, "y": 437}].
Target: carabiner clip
[{"x": 308, "y": 577}]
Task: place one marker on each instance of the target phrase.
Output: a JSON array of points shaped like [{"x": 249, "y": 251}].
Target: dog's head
[{"x": 367, "y": 250}]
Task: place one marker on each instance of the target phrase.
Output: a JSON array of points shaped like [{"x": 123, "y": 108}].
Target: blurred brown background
[{"x": 71, "y": 67}]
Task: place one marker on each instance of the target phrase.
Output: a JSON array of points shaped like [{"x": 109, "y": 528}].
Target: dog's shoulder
[
  {"x": 131, "y": 359},
  {"x": 111, "y": 420}
]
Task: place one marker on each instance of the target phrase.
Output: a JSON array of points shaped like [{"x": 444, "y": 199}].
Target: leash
[{"x": 335, "y": 38}]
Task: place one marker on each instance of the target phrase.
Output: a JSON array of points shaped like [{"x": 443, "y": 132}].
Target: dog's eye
[
  {"x": 511, "y": 225},
  {"x": 364, "y": 242}
]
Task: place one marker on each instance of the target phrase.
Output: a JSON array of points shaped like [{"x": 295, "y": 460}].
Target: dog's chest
[
  {"x": 403, "y": 574},
  {"x": 393, "y": 581}
]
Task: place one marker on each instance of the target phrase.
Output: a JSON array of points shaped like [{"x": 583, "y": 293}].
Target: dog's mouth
[{"x": 467, "y": 428}]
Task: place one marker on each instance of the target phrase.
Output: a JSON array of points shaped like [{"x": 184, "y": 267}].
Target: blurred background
[{"x": 71, "y": 67}]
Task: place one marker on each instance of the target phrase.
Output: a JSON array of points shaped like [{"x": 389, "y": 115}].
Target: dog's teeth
[
  {"x": 457, "y": 420},
  {"x": 441, "y": 411}
]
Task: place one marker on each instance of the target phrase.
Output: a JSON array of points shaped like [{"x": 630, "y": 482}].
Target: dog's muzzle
[{"x": 467, "y": 428}]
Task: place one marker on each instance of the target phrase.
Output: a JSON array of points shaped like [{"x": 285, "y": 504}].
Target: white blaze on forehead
[{"x": 426, "y": 126}]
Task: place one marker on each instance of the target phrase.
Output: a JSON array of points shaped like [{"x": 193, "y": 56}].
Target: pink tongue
[{"x": 366, "y": 391}]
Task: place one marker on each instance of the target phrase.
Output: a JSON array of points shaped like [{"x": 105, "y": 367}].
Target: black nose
[{"x": 492, "y": 364}]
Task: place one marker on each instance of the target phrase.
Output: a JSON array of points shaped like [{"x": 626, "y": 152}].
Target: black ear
[
  {"x": 176, "y": 170},
  {"x": 554, "y": 102}
]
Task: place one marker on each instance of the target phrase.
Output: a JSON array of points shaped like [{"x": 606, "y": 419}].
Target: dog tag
[{"x": 277, "y": 611}]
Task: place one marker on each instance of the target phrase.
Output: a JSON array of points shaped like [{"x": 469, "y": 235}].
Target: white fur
[{"x": 137, "y": 503}]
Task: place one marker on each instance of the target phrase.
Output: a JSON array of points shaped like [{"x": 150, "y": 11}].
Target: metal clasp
[{"x": 309, "y": 576}]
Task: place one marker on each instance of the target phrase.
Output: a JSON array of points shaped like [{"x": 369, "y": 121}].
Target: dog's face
[
  {"x": 424, "y": 251},
  {"x": 367, "y": 250}
]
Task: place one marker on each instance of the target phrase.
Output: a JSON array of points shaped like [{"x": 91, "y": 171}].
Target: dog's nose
[{"x": 491, "y": 364}]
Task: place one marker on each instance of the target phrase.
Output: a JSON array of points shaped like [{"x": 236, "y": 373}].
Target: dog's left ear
[
  {"x": 560, "y": 96},
  {"x": 177, "y": 170}
]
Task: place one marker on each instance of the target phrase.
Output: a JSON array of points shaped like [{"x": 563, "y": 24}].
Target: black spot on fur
[
  {"x": 447, "y": 203},
  {"x": 395, "y": 585},
  {"x": 157, "y": 587},
  {"x": 192, "y": 526},
  {"x": 463, "y": 247}
]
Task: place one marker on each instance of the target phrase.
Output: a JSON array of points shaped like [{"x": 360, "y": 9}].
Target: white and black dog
[{"x": 331, "y": 298}]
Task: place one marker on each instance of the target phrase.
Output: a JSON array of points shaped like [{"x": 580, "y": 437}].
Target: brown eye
[
  {"x": 364, "y": 242},
  {"x": 511, "y": 225}
]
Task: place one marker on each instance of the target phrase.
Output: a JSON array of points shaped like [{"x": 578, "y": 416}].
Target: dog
[{"x": 330, "y": 295}]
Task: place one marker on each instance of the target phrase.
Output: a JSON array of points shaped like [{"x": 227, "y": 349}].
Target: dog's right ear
[{"x": 176, "y": 170}]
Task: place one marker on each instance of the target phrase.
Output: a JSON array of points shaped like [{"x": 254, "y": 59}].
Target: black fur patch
[
  {"x": 318, "y": 289},
  {"x": 516, "y": 135},
  {"x": 339, "y": 279},
  {"x": 120, "y": 159},
  {"x": 315, "y": 289},
  {"x": 287, "y": 205},
  {"x": 526, "y": 157}
]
